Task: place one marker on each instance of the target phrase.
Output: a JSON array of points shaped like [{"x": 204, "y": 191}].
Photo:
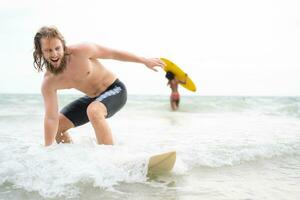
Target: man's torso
[{"x": 84, "y": 74}]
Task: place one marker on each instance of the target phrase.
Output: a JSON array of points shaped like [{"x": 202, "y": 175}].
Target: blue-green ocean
[{"x": 227, "y": 147}]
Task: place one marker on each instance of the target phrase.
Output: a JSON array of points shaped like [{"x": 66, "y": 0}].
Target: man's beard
[{"x": 57, "y": 70}]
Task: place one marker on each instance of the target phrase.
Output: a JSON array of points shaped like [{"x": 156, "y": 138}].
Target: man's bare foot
[{"x": 63, "y": 138}]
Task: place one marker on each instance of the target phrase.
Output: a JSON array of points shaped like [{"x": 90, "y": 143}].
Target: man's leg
[
  {"x": 64, "y": 124},
  {"x": 97, "y": 112}
]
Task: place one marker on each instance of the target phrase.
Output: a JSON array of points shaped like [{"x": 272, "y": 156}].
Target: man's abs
[
  {"x": 95, "y": 88},
  {"x": 93, "y": 80}
]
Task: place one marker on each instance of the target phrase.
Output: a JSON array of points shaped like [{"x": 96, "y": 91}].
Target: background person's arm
[{"x": 181, "y": 81}]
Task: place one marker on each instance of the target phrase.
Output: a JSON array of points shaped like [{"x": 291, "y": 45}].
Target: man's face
[{"x": 53, "y": 51}]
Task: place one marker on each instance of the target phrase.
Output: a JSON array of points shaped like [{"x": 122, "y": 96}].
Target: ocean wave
[
  {"x": 282, "y": 106},
  {"x": 59, "y": 170},
  {"x": 279, "y": 106},
  {"x": 231, "y": 155}
]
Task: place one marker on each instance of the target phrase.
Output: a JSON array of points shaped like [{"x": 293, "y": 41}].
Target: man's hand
[{"x": 154, "y": 62}]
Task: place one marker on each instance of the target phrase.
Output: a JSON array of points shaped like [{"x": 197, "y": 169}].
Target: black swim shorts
[{"x": 114, "y": 98}]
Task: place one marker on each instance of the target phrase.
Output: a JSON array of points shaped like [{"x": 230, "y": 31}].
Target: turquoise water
[{"x": 227, "y": 148}]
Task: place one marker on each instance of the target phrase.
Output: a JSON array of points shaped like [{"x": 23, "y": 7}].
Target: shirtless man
[{"x": 78, "y": 67}]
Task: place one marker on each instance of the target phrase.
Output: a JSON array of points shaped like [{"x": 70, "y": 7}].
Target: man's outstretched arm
[{"x": 97, "y": 51}]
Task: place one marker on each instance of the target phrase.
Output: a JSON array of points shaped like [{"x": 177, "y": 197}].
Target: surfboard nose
[{"x": 161, "y": 163}]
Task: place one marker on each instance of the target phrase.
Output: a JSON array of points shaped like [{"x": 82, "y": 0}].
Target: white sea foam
[{"x": 55, "y": 171}]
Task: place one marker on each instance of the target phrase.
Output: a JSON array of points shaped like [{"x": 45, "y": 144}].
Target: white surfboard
[{"x": 161, "y": 163}]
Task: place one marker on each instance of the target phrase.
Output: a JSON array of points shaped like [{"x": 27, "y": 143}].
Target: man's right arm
[{"x": 51, "y": 112}]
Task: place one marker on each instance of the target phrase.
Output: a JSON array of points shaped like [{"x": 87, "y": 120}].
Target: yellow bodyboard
[
  {"x": 179, "y": 74},
  {"x": 162, "y": 162}
]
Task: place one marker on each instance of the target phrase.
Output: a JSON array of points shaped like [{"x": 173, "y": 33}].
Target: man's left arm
[{"x": 98, "y": 51}]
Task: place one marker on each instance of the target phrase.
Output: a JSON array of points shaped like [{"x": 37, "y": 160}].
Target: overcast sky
[{"x": 228, "y": 47}]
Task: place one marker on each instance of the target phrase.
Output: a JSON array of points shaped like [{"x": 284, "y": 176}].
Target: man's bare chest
[{"x": 75, "y": 75}]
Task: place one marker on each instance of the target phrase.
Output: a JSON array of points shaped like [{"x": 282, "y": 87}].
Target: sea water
[{"x": 227, "y": 148}]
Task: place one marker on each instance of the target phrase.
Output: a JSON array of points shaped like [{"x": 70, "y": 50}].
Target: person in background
[{"x": 173, "y": 83}]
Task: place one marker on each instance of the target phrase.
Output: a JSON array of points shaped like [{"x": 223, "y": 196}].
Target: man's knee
[{"x": 96, "y": 111}]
